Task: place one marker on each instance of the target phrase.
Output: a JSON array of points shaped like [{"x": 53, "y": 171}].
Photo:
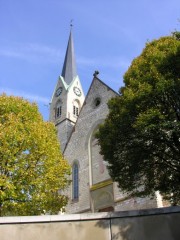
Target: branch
[{"x": 169, "y": 164}]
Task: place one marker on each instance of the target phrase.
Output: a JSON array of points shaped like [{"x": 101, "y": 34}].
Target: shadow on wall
[
  {"x": 123, "y": 232},
  {"x": 117, "y": 229},
  {"x": 152, "y": 224}
]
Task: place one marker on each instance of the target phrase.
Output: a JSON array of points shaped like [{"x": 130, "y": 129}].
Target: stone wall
[
  {"x": 80, "y": 147},
  {"x": 95, "y": 191},
  {"x": 152, "y": 224}
]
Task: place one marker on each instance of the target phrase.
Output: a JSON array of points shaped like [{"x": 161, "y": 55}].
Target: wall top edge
[{"x": 88, "y": 216}]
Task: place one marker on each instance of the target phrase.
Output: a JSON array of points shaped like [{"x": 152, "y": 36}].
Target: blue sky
[{"x": 108, "y": 35}]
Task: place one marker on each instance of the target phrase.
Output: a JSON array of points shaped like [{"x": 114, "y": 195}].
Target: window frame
[
  {"x": 76, "y": 107},
  {"x": 75, "y": 181},
  {"x": 58, "y": 109}
]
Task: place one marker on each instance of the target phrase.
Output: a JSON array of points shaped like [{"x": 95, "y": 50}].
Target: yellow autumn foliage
[{"x": 32, "y": 168}]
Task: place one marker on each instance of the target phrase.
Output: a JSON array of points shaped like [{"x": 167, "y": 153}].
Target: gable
[{"x": 94, "y": 109}]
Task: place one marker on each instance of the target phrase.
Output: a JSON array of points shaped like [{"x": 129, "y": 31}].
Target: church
[{"x": 77, "y": 118}]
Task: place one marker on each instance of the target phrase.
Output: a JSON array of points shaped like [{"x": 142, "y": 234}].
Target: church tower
[{"x": 68, "y": 97}]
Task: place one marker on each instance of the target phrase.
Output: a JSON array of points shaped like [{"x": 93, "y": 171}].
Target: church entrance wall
[{"x": 102, "y": 198}]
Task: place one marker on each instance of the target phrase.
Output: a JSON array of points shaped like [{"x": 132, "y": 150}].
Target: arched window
[
  {"x": 75, "y": 181},
  {"x": 76, "y": 108},
  {"x": 58, "y": 109}
]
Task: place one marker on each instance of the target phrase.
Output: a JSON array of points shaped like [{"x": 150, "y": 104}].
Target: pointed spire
[{"x": 69, "y": 67}]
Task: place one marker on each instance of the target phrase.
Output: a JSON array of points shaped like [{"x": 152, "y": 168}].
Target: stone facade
[
  {"x": 92, "y": 189},
  {"x": 96, "y": 190},
  {"x": 82, "y": 146}
]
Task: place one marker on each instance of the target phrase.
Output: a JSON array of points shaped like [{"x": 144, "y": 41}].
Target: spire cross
[{"x": 71, "y": 23}]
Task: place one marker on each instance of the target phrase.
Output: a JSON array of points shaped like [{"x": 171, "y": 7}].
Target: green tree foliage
[
  {"x": 140, "y": 138},
  {"x": 32, "y": 168}
]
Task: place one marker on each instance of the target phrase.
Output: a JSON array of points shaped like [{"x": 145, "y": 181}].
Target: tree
[
  {"x": 32, "y": 168},
  {"x": 140, "y": 138}
]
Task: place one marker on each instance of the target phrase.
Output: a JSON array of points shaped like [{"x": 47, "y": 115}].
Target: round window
[{"x": 97, "y": 102}]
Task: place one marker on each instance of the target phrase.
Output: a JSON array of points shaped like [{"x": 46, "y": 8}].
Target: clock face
[
  {"x": 77, "y": 91},
  {"x": 58, "y": 91}
]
